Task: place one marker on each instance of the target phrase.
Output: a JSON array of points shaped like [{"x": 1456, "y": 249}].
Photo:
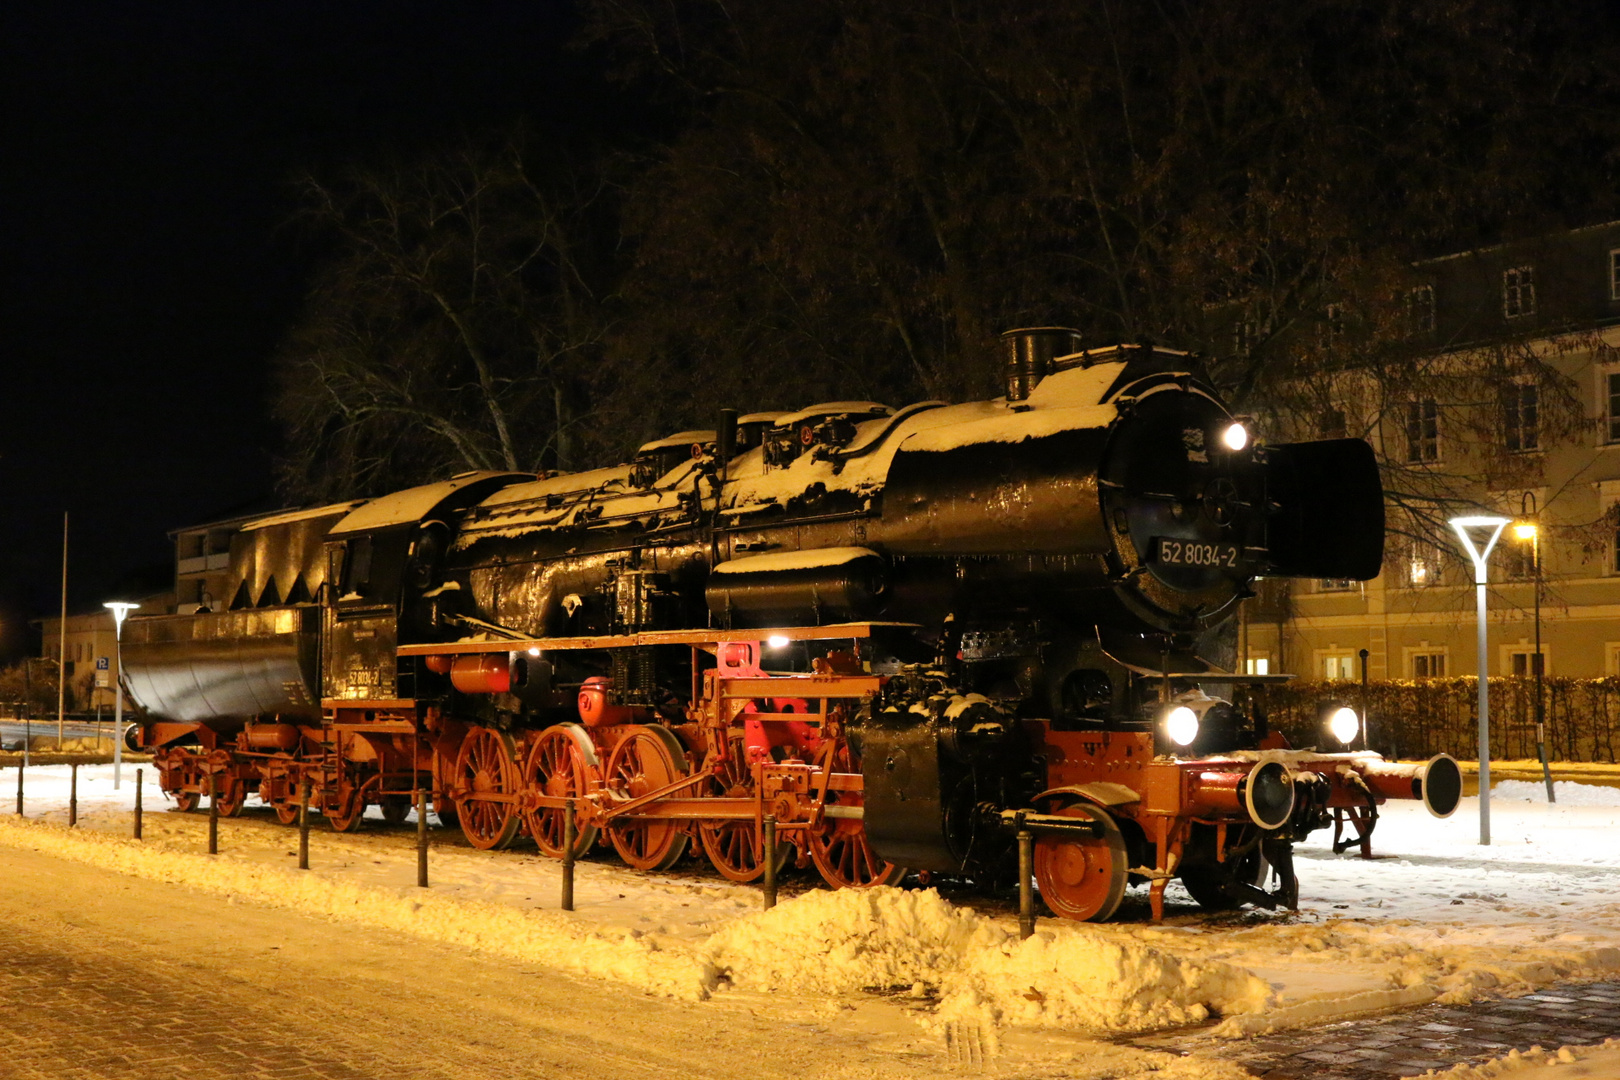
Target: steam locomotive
[{"x": 899, "y": 635}]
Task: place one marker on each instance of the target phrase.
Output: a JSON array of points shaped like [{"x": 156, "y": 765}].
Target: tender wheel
[
  {"x": 840, "y": 849},
  {"x": 562, "y": 764},
  {"x": 186, "y": 801},
  {"x": 230, "y": 799},
  {"x": 647, "y": 759},
  {"x": 488, "y": 779},
  {"x": 347, "y": 817},
  {"x": 1082, "y": 878},
  {"x": 286, "y": 813}
]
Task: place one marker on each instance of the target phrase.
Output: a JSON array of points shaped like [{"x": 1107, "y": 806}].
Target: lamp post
[
  {"x": 1487, "y": 524},
  {"x": 120, "y": 610},
  {"x": 1528, "y": 528}
]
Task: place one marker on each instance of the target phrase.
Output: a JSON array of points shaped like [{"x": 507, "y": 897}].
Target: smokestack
[{"x": 1030, "y": 353}]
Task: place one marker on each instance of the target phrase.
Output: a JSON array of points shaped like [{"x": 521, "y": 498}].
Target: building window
[
  {"x": 1339, "y": 666},
  {"x": 1611, "y": 658},
  {"x": 1332, "y": 324},
  {"x": 1614, "y": 273},
  {"x": 1331, "y": 424},
  {"x": 1519, "y": 292},
  {"x": 1611, "y": 385},
  {"x": 1518, "y": 558},
  {"x": 1258, "y": 665},
  {"x": 1428, "y": 664},
  {"x": 1422, "y": 566},
  {"x": 1521, "y": 660},
  {"x": 1422, "y": 431},
  {"x": 1336, "y": 585},
  {"x": 1521, "y": 407},
  {"x": 1419, "y": 310}
]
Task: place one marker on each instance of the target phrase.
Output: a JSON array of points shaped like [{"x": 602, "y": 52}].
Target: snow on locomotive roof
[
  {"x": 561, "y": 484},
  {"x": 1067, "y": 400},
  {"x": 834, "y": 408},
  {"x": 1012, "y": 427},
  {"x": 777, "y": 561},
  {"x": 760, "y": 418},
  {"x": 287, "y": 517},
  {"x": 412, "y": 504},
  {"x": 680, "y": 438}
]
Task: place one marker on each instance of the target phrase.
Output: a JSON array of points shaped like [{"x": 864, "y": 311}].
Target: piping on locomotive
[{"x": 894, "y": 632}]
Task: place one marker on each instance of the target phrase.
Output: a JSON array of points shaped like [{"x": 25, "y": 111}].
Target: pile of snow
[
  {"x": 891, "y": 939},
  {"x": 1538, "y": 1064}
]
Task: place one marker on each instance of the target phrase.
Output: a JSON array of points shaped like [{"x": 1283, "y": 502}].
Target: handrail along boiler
[{"x": 894, "y": 631}]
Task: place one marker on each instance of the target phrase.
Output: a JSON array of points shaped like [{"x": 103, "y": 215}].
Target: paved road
[
  {"x": 1434, "y": 1037},
  {"x": 104, "y": 976}
]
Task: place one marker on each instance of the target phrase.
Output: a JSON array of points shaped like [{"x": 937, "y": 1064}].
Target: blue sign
[{"x": 101, "y": 663}]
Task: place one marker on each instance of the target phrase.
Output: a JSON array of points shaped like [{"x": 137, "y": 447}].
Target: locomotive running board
[{"x": 655, "y": 637}]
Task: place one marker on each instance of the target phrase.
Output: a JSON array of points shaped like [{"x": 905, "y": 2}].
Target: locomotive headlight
[
  {"x": 1343, "y": 723},
  {"x": 777, "y": 641},
  {"x": 1181, "y": 725},
  {"x": 1235, "y": 437}
]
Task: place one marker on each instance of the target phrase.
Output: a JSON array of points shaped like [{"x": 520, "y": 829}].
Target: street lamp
[
  {"x": 120, "y": 610},
  {"x": 1527, "y": 528},
  {"x": 1493, "y": 525}
]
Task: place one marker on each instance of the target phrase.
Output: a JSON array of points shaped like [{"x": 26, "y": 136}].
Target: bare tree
[{"x": 455, "y": 325}]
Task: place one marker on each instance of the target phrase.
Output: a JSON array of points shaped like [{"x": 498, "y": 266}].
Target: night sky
[{"x": 147, "y": 261}]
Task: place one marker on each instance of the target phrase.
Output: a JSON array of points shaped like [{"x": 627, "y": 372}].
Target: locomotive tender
[{"x": 899, "y": 633}]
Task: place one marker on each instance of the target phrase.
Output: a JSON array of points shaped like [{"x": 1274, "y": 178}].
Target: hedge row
[{"x": 1420, "y": 719}]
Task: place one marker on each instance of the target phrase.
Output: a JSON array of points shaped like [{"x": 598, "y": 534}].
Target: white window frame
[
  {"x": 1418, "y": 415},
  {"x": 1608, "y": 393},
  {"x": 1338, "y": 586},
  {"x": 1333, "y": 659},
  {"x": 1611, "y": 657},
  {"x": 1513, "y": 418},
  {"x": 1608, "y": 495},
  {"x": 1614, "y": 273},
  {"x": 1427, "y": 651},
  {"x": 1518, "y": 292},
  {"x": 1419, "y": 304},
  {"x": 1528, "y": 651}
]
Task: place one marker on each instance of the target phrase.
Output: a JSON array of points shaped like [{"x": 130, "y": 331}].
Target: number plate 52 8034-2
[{"x": 1169, "y": 552}]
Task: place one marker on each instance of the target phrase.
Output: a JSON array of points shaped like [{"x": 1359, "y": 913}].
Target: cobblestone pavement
[{"x": 1433, "y": 1037}]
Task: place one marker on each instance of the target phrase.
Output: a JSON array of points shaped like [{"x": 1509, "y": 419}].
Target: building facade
[{"x": 1538, "y": 441}]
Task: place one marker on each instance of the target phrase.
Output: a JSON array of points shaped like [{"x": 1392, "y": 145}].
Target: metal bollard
[
  {"x": 19, "y": 790},
  {"x": 73, "y": 795},
  {"x": 570, "y": 840},
  {"x": 421, "y": 838},
  {"x": 303, "y": 826},
  {"x": 770, "y": 861},
  {"x": 137, "y": 804},
  {"x": 1026, "y": 884},
  {"x": 213, "y": 817}
]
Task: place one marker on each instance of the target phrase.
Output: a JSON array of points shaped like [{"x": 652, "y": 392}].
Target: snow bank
[
  {"x": 892, "y": 939},
  {"x": 1538, "y": 1064},
  {"x": 555, "y": 939},
  {"x": 1567, "y": 792}
]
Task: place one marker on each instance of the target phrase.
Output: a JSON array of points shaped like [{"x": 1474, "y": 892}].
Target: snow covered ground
[{"x": 1433, "y": 916}]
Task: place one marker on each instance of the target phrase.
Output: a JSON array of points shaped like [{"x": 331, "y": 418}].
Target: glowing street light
[
  {"x": 1492, "y": 525},
  {"x": 120, "y": 610}
]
